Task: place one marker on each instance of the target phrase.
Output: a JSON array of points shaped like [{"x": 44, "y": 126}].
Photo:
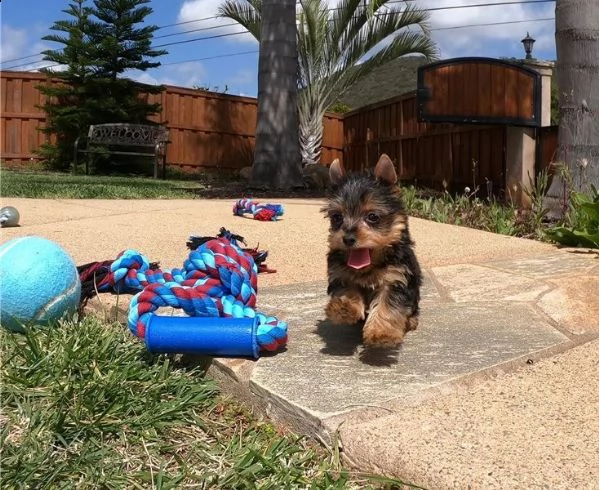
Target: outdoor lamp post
[{"x": 528, "y": 42}]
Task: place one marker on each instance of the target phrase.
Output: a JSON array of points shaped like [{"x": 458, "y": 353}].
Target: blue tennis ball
[{"x": 39, "y": 283}]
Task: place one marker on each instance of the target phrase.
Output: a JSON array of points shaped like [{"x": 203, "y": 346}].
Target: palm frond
[
  {"x": 312, "y": 40},
  {"x": 341, "y": 17},
  {"x": 380, "y": 28},
  {"x": 403, "y": 44},
  {"x": 247, "y": 13},
  {"x": 403, "y": 31},
  {"x": 350, "y": 18}
]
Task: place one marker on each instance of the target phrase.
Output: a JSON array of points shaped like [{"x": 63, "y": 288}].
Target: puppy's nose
[{"x": 349, "y": 240}]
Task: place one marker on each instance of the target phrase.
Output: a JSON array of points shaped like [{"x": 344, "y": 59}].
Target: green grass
[
  {"x": 473, "y": 212},
  {"x": 85, "y": 406},
  {"x": 67, "y": 186},
  {"x": 461, "y": 210}
]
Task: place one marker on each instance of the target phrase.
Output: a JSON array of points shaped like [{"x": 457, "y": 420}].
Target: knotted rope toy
[
  {"x": 218, "y": 280},
  {"x": 260, "y": 212},
  {"x": 259, "y": 256},
  {"x": 93, "y": 275}
]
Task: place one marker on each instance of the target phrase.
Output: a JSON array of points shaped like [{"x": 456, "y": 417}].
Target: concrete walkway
[{"x": 498, "y": 387}]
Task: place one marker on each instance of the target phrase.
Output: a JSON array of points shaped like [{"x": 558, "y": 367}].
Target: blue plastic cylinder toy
[{"x": 211, "y": 336}]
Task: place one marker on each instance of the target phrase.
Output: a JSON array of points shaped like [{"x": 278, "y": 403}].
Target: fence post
[
  {"x": 522, "y": 143},
  {"x": 520, "y": 163},
  {"x": 545, "y": 69}
]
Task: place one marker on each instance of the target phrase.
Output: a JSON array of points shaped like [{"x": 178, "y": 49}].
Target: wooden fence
[
  {"x": 436, "y": 155},
  {"x": 547, "y": 147},
  {"x": 207, "y": 130},
  {"x": 486, "y": 90},
  {"x": 217, "y": 131}
]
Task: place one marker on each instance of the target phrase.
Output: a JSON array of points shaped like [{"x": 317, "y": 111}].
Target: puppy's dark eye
[
  {"x": 373, "y": 218},
  {"x": 336, "y": 219}
]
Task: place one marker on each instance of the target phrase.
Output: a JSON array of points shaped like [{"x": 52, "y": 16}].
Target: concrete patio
[{"x": 497, "y": 388}]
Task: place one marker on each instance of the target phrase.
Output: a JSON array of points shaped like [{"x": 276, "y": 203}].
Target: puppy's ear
[
  {"x": 385, "y": 171},
  {"x": 336, "y": 172}
]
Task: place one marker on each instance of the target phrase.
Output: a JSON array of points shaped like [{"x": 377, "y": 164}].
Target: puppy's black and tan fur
[{"x": 373, "y": 274}]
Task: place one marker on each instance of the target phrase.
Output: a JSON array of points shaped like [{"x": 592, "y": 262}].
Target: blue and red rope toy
[
  {"x": 261, "y": 212},
  {"x": 218, "y": 279}
]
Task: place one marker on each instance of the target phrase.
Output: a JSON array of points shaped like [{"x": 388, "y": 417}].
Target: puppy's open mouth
[{"x": 358, "y": 258}]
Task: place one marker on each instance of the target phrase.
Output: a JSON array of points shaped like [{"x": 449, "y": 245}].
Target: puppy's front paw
[
  {"x": 380, "y": 333},
  {"x": 345, "y": 310},
  {"x": 412, "y": 323}
]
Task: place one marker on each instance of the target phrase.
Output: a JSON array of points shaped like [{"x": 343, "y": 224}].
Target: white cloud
[
  {"x": 189, "y": 74},
  {"x": 180, "y": 75},
  {"x": 143, "y": 77},
  {"x": 15, "y": 44},
  {"x": 53, "y": 68},
  {"x": 199, "y": 14},
  {"x": 473, "y": 41},
  {"x": 243, "y": 77}
]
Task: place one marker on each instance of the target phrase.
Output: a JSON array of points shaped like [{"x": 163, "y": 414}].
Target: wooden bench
[{"x": 145, "y": 140}]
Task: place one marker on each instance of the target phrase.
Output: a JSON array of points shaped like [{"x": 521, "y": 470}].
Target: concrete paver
[
  {"x": 549, "y": 265},
  {"x": 467, "y": 283},
  {"x": 332, "y": 373},
  {"x": 497, "y": 388},
  {"x": 574, "y": 303}
]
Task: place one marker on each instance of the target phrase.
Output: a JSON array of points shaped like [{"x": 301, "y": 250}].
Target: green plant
[
  {"x": 122, "y": 39},
  {"x": 78, "y": 397},
  {"x": 530, "y": 222},
  {"x": 100, "y": 43},
  {"x": 461, "y": 209},
  {"x": 209, "y": 88},
  {"x": 409, "y": 195},
  {"x": 339, "y": 46},
  {"x": 584, "y": 219},
  {"x": 339, "y": 108},
  {"x": 67, "y": 112}
]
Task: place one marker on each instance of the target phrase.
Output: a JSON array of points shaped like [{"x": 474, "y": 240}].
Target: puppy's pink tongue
[{"x": 358, "y": 258}]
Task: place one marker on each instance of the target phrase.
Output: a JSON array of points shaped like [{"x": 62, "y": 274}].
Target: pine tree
[
  {"x": 122, "y": 46},
  {"x": 101, "y": 43},
  {"x": 65, "y": 105}
]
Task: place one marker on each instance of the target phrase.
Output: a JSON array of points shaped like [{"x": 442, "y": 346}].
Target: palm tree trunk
[
  {"x": 277, "y": 160},
  {"x": 577, "y": 46},
  {"x": 311, "y": 130}
]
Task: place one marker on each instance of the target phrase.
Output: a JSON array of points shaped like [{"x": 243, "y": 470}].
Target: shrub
[{"x": 584, "y": 219}]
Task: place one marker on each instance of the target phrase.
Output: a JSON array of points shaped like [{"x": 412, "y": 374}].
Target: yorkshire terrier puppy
[{"x": 373, "y": 274}]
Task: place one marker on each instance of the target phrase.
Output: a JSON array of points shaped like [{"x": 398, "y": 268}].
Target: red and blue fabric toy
[{"x": 261, "y": 212}]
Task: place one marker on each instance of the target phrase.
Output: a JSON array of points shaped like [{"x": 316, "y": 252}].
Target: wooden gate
[{"x": 479, "y": 91}]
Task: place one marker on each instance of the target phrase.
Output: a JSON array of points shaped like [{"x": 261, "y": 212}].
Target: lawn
[
  {"x": 85, "y": 405},
  {"x": 67, "y": 186},
  {"x": 46, "y": 185}
]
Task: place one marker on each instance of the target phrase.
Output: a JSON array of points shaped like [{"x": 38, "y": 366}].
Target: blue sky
[{"x": 25, "y": 22}]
